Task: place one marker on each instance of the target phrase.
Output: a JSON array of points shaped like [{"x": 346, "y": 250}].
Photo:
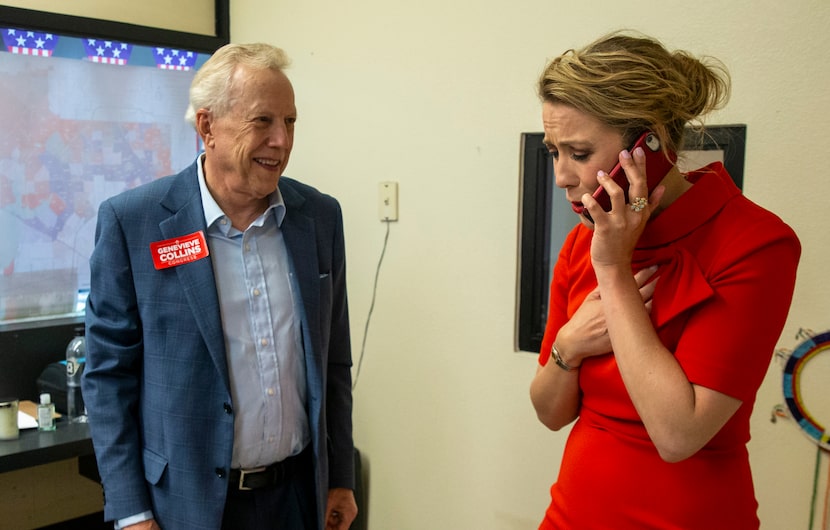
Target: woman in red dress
[{"x": 664, "y": 310}]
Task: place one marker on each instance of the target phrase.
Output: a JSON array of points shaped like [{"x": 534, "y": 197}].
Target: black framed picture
[{"x": 545, "y": 216}]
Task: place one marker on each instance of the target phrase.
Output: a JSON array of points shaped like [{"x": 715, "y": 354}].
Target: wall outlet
[{"x": 388, "y": 200}]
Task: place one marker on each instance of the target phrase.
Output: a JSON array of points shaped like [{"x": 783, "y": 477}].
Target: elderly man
[{"x": 218, "y": 375}]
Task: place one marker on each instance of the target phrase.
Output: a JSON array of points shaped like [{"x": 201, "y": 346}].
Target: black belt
[{"x": 266, "y": 476}]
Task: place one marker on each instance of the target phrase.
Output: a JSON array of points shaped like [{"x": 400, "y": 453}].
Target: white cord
[{"x": 371, "y": 307}]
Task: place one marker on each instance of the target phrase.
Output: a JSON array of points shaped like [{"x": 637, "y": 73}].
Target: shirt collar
[{"x": 214, "y": 213}]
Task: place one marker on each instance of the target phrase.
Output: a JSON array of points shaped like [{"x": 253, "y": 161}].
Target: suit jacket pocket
[{"x": 154, "y": 466}]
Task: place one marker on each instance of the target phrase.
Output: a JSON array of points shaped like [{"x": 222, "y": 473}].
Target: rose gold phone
[{"x": 657, "y": 166}]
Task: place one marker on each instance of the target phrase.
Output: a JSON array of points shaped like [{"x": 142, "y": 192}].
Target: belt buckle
[{"x": 244, "y": 472}]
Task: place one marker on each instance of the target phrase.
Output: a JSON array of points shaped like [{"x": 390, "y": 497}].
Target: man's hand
[{"x": 341, "y": 509}]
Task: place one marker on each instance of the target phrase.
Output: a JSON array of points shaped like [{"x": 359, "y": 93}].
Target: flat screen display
[{"x": 82, "y": 119}]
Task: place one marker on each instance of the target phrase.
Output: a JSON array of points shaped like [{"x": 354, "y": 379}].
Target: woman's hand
[
  {"x": 586, "y": 333},
  {"x": 554, "y": 392},
  {"x": 616, "y": 232}
]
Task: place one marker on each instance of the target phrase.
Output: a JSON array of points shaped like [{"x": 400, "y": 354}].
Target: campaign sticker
[{"x": 179, "y": 250}]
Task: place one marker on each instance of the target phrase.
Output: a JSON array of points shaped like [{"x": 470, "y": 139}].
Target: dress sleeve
[
  {"x": 728, "y": 341},
  {"x": 558, "y": 302}
]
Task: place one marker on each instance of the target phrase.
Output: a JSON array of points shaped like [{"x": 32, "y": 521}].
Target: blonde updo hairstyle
[
  {"x": 212, "y": 87},
  {"x": 632, "y": 83}
]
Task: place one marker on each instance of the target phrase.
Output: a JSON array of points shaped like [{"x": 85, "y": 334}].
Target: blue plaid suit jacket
[{"x": 156, "y": 380}]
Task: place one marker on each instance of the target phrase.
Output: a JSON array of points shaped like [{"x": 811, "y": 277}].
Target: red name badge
[{"x": 179, "y": 250}]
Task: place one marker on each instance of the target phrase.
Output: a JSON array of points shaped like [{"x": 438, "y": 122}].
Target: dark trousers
[{"x": 288, "y": 505}]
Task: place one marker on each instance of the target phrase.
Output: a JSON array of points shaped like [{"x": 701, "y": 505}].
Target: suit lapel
[
  {"x": 196, "y": 278},
  {"x": 301, "y": 241},
  {"x": 300, "y": 238}
]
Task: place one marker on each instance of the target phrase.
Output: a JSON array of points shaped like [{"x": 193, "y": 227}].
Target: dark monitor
[{"x": 89, "y": 108}]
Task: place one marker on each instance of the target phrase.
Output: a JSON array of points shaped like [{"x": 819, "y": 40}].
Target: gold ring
[{"x": 639, "y": 204}]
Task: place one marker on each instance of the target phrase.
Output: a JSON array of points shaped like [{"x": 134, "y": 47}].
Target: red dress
[{"x": 726, "y": 278}]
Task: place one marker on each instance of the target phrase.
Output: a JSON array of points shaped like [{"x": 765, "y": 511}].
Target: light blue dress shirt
[{"x": 258, "y": 297}]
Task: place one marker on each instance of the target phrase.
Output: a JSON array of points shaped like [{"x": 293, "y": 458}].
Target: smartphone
[{"x": 657, "y": 166}]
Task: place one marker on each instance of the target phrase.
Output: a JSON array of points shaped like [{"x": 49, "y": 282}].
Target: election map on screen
[{"x": 80, "y": 120}]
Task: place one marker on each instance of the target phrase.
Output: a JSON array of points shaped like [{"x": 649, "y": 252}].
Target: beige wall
[{"x": 434, "y": 94}]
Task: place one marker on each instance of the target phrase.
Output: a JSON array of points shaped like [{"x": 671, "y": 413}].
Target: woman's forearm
[
  {"x": 680, "y": 417},
  {"x": 554, "y": 393}
]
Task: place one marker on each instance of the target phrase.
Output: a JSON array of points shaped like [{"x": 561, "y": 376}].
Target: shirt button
[
  {"x": 257, "y": 292},
  {"x": 264, "y": 342},
  {"x": 228, "y": 409},
  {"x": 270, "y": 391},
  {"x": 220, "y": 472}
]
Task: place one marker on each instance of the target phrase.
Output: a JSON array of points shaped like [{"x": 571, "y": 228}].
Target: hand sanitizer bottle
[{"x": 46, "y": 413}]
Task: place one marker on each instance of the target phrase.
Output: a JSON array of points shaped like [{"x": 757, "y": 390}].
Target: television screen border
[
  {"x": 121, "y": 31},
  {"x": 536, "y": 203}
]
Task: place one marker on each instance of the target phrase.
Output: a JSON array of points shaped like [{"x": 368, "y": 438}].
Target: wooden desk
[{"x": 40, "y": 480}]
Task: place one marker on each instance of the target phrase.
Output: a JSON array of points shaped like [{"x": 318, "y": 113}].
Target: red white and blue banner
[
  {"x": 102, "y": 51},
  {"x": 23, "y": 42},
  {"x": 171, "y": 59},
  {"x": 107, "y": 52}
]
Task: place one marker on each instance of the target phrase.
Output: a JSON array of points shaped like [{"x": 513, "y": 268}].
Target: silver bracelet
[{"x": 557, "y": 358}]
